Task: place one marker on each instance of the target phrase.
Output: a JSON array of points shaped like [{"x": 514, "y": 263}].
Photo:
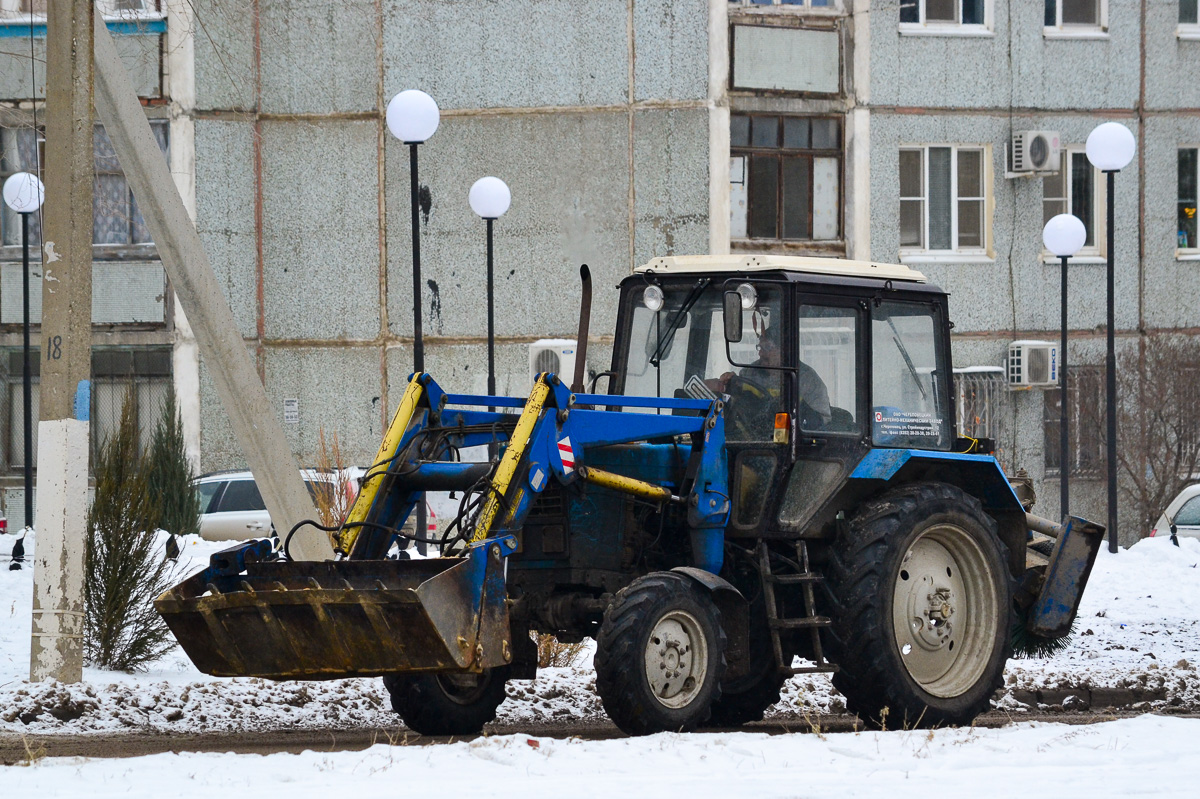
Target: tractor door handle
[{"x": 811, "y": 442}]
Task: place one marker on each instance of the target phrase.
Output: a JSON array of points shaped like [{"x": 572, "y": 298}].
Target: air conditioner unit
[
  {"x": 1032, "y": 363},
  {"x": 1036, "y": 151},
  {"x": 555, "y": 355}
]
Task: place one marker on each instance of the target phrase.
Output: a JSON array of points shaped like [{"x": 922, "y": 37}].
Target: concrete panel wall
[
  {"x": 320, "y": 230},
  {"x": 225, "y": 65},
  {"x": 338, "y": 390},
  {"x": 569, "y": 177},
  {"x": 318, "y": 56},
  {"x": 671, "y": 47},
  {"x": 225, "y": 197},
  {"x": 508, "y": 53}
]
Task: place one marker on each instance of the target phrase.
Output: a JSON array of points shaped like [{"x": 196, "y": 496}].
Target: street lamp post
[
  {"x": 489, "y": 198},
  {"x": 1110, "y": 148},
  {"x": 412, "y": 117},
  {"x": 1064, "y": 235},
  {"x": 24, "y": 193}
]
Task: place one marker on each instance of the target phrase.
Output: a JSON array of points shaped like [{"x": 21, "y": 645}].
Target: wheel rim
[
  {"x": 676, "y": 659},
  {"x": 463, "y": 689},
  {"x": 944, "y": 611}
]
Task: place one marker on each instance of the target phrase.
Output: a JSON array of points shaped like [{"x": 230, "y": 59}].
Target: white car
[
  {"x": 1183, "y": 512},
  {"x": 232, "y": 509}
]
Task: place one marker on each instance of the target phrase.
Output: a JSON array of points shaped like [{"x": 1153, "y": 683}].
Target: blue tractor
[{"x": 772, "y": 484}]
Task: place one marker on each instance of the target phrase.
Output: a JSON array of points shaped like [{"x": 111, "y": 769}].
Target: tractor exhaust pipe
[{"x": 585, "y": 320}]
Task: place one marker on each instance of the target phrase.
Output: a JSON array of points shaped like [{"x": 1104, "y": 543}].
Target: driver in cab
[{"x": 754, "y": 394}]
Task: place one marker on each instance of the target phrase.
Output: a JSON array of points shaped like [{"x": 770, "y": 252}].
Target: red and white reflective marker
[{"x": 566, "y": 453}]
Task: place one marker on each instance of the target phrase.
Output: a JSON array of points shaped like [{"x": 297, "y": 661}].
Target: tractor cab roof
[{"x": 798, "y": 266}]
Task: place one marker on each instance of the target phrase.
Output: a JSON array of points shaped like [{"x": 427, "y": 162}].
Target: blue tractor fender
[{"x": 978, "y": 475}]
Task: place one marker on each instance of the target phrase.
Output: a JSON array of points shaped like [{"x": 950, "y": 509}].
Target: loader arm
[{"x": 251, "y": 615}]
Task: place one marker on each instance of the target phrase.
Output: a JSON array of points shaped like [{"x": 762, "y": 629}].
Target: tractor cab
[{"x": 817, "y": 361}]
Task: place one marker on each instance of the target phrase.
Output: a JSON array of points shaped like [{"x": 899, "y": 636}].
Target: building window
[
  {"x": 143, "y": 374},
  {"x": 785, "y": 178},
  {"x": 1067, "y": 16},
  {"x": 19, "y": 152},
  {"x": 786, "y": 3},
  {"x": 943, "y": 12},
  {"x": 1187, "y": 12},
  {"x": 1073, "y": 190},
  {"x": 1189, "y": 179},
  {"x": 943, "y": 199},
  {"x": 116, "y": 218},
  {"x": 1085, "y": 393}
]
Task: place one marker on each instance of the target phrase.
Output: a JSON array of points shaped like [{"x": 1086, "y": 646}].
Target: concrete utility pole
[
  {"x": 66, "y": 338},
  {"x": 242, "y": 393}
]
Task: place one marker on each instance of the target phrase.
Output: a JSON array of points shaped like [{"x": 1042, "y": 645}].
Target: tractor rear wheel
[
  {"x": 922, "y": 608},
  {"x": 660, "y": 655},
  {"x": 447, "y": 704}
]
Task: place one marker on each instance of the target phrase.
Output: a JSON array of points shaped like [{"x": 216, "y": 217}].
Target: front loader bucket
[
  {"x": 1065, "y": 578},
  {"x": 332, "y": 619}
]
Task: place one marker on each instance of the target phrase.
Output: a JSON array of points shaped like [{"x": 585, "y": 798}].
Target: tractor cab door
[{"x": 828, "y": 349}]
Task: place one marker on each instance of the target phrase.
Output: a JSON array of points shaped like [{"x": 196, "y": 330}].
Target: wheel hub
[
  {"x": 676, "y": 659},
  {"x": 943, "y": 610}
]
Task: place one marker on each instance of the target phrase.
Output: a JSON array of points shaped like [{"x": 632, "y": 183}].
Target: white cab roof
[{"x": 684, "y": 264}]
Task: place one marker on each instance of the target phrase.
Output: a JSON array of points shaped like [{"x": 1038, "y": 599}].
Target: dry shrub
[
  {"x": 552, "y": 652},
  {"x": 125, "y": 567},
  {"x": 333, "y": 498}
]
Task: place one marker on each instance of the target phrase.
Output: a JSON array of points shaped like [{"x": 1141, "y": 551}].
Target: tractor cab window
[
  {"x": 677, "y": 350},
  {"x": 908, "y": 392},
  {"x": 827, "y": 377}
]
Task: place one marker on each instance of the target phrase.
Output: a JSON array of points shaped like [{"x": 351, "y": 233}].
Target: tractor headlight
[
  {"x": 652, "y": 298},
  {"x": 749, "y": 296}
]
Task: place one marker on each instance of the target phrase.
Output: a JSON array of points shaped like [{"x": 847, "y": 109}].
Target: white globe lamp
[
  {"x": 1110, "y": 147},
  {"x": 413, "y": 116},
  {"x": 1064, "y": 235},
  {"x": 24, "y": 193},
  {"x": 489, "y": 198}
]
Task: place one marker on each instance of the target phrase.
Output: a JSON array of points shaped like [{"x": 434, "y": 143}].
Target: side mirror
[{"x": 733, "y": 317}]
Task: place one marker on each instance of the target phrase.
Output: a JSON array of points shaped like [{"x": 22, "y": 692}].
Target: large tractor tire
[
  {"x": 448, "y": 704},
  {"x": 660, "y": 655},
  {"x": 922, "y": 609}
]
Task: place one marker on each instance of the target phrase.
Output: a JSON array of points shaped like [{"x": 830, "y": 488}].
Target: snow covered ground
[
  {"x": 1139, "y": 635},
  {"x": 1146, "y": 756}
]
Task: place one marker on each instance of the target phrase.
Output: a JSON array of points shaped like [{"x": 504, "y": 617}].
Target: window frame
[
  {"x": 1188, "y": 30},
  {"x": 1074, "y": 30},
  {"x": 956, "y": 254},
  {"x": 1096, "y": 251},
  {"x": 782, "y": 153},
  {"x": 1188, "y": 253},
  {"x": 940, "y": 27}
]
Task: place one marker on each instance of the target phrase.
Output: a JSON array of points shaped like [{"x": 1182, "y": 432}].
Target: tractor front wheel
[
  {"x": 447, "y": 704},
  {"x": 660, "y": 655},
  {"x": 922, "y": 608}
]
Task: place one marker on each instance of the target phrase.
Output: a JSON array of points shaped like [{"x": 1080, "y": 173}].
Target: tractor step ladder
[{"x": 810, "y": 621}]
